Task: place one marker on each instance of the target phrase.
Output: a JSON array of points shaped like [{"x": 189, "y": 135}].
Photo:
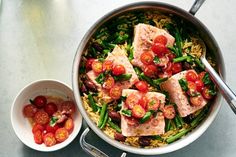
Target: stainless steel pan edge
[{"x": 211, "y": 44}]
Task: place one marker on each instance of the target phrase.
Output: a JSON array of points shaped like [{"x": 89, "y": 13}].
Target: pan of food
[{"x": 140, "y": 78}]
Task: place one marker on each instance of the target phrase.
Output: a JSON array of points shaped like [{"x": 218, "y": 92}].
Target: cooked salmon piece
[
  {"x": 154, "y": 126},
  {"x": 144, "y": 36},
  {"x": 118, "y": 57},
  {"x": 178, "y": 96}
]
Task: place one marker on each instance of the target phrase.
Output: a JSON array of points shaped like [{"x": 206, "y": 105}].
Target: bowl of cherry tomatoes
[{"x": 45, "y": 116}]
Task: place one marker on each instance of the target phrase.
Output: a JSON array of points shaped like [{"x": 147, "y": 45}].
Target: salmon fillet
[
  {"x": 143, "y": 39},
  {"x": 154, "y": 126},
  {"x": 178, "y": 96},
  {"x": 117, "y": 56}
]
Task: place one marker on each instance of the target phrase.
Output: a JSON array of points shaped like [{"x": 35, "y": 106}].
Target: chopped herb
[
  {"x": 156, "y": 60},
  {"x": 101, "y": 59},
  {"x": 101, "y": 78},
  {"x": 206, "y": 79},
  {"x": 53, "y": 121},
  {"x": 146, "y": 117},
  {"x": 184, "y": 84}
]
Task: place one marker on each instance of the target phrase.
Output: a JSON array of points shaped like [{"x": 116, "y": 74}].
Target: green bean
[
  {"x": 102, "y": 115},
  {"x": 157, "y": 137},
  {"x": 122, "y": 77},
  {"x": 199, "y": 117},
  {"x": 168, "y": 125},
  {"x": 104, "y": 121},
  {"x": 177, "y": 122},
  {"x": 114, "y": 126},
  {"x": 160, "y": 80},
  {"x": 146, "y": 117},
  {"x": 178, "y": 135},
  {"x": 180, "y": 59},
  {"x": 92, "y": 103},
  {"x": 149, "y": 80}
]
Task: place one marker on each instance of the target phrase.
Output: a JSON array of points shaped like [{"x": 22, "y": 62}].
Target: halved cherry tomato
[
  {"x": 107, "y": 65},
  {"x": 196, "y": 100},
  {"x": 176, "y": 68},
  {"x": 206, "y": 94},
  {"x": 69, "y": 125},
  {"x": 151, "y": 71},
  {"x": 143, "y": 102},
  {"x": 131, "y": 100},
  {"x": 51, "y": 129},
  {"x": 169, "y": 111},
  {"x": 146, "y": 58},
  {"x": 118, "y": 70},
  {"x": 191, "y": 76},
  {"x": 37, "y": 127},
  {"x": 97, "y": 66},
  {"x": 138, "y": 111},
  {"x": 29, "y": 110},
  {"x": 68, "y": 107},
  {"x": 40, "y": 101},
  {"x": 41, "y": 117},
  {"x": 199, "y": 85},
  {"x": 38, "y": 137},
  {"x": 159, "y": 49},
  {"x": 201, "y": 75},
  {"x": 109, "y": 83},
  {"x": 161, "y": 39},
  {"x": 115, "y": 92},
  {"x": 49, "y": 139},
  {"x": 88, "y": 64},
  {"x": 50, "y": 108},
  {"x": 132, "y": 121},
  {"x": 142, "y": 86},
  {"x": 192, "y": 89},
  {"x": 153, "y": 104},
  {"x": 61, "y": 134}
]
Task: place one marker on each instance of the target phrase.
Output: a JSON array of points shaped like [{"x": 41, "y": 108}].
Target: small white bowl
[{"x": 22, "y": 126}]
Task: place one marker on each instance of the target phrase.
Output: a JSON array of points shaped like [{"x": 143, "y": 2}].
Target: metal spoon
[
  {"x": 91, "y": 150},
  {"x": 227, "y": 93}
]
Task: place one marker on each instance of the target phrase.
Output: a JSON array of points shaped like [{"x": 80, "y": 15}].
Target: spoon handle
[{"x": 227, "y": 93}]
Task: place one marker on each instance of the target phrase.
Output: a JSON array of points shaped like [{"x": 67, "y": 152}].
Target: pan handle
[{"x": 197, "y": 4}]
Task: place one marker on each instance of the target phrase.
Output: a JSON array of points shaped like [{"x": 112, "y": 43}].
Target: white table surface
[{"x": 39, "y": 38}]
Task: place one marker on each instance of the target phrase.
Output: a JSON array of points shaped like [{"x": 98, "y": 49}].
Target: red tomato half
[
  {"x": 109, "y": 83},
  {"x": 61, "y": 134},
  {"x": 40, "y": 101},
  {"x": 29, "y": 110},
  {"x": 97, "y": 66},
  {"x": 68, "y": 107},
  {"x": 51, "y": 129},
  {"x": 146, "y": 58},
  {"x": 37, "y": 127},
  {"x": 161, "y": 39},
  {"x": 142, "y": 86},
  {"x": 201, "y": 75},
  {"x": 50, "y": 108},
  {"x": 38, "y": 137},
  {"x": 196, "y": 100},
  {"x": 176, "y": 68},
  {"x": 169, "y": 111},
  {"x": 107, "y": 65},
  {"x": 69, "y": 125},
  {"x": 138, "y": 111},
  {"x": 191, "y": 76},
  {"x": 115, "y": 92},
  {"x": 49, "y": 139},
  {"x": 118, "y": 70},
  {"x": 199, "y": 85},
  {"x": 41, "y": 117},
  {"x": 206, "y": 94},
  {"x": 131, "y": 100},
  {"x": 89, "y": 62},
  {"x": 143, "y": 102},
  {"x": 151, "y": 71},
  {"x": 159, "y": 49},
  {"x": 153, "y": 104}
]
